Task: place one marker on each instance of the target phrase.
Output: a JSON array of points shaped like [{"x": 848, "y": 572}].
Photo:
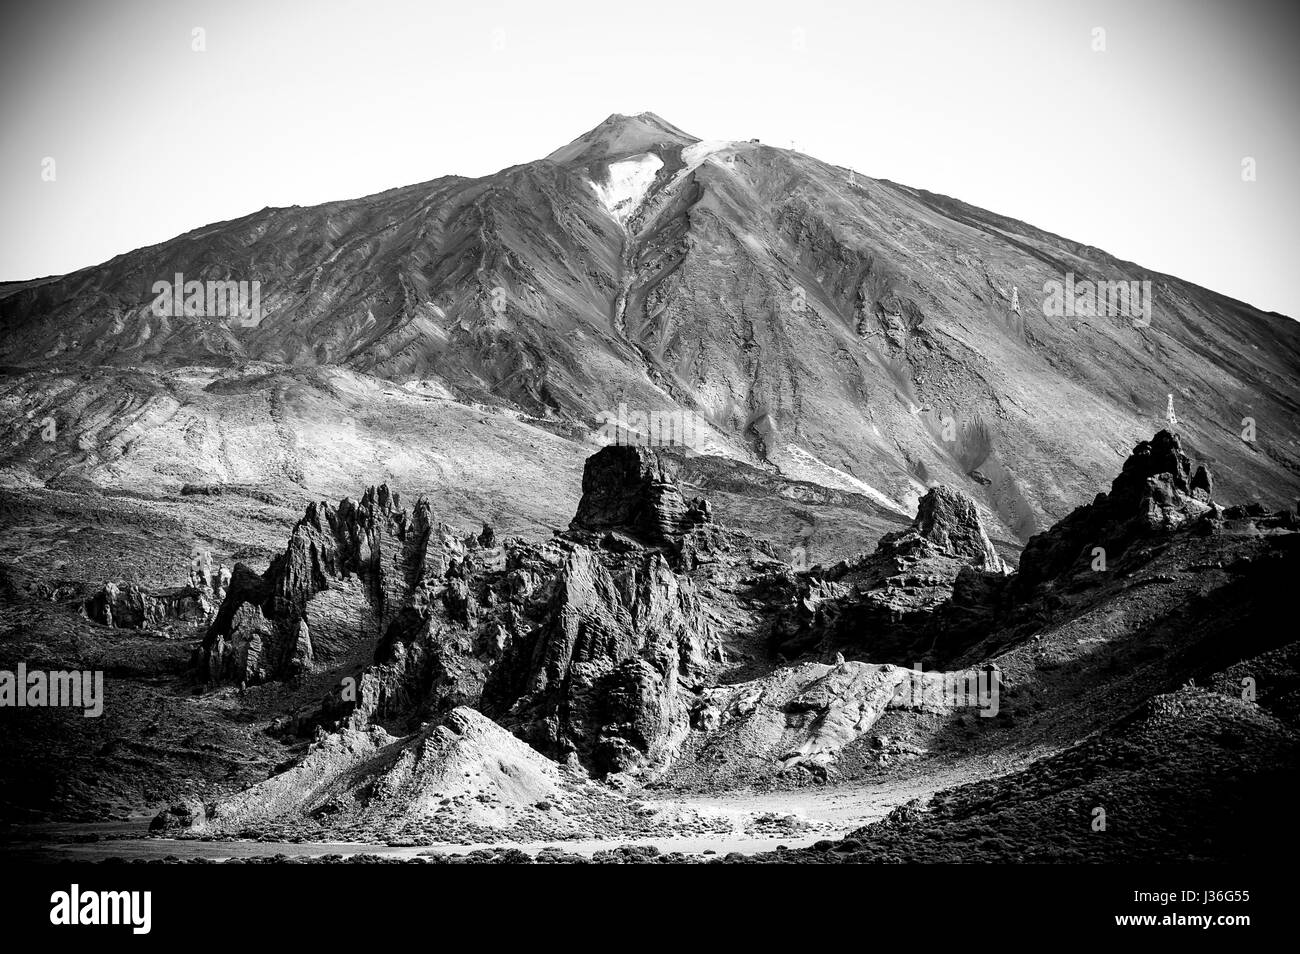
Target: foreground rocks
[
  {"x": 606, "y": 648},
  {"x": 463, "y": 779},
  {"x": 885, "y": 606},
  {"x": 1194, "y": 776},
  {"x": 588, "y": 645},
  {"x": 800, "y": 719}
]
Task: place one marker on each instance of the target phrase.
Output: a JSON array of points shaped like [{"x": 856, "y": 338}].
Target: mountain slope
[{"x": 841, "y": 330}]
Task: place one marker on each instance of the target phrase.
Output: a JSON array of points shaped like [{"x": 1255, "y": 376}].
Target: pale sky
[{"x": 1005, "y": 104}]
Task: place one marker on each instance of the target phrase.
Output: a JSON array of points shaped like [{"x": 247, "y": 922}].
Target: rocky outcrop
[
  {"x": 470, "y": 610},
  {"x": 799, "y": 719},
  {"x": 346, "y": 575},
  {"x": 598, "y": 646},
  {"x": 882, "y": 606},
  {"x": 127, "y": 606},
  {"x": 605, "y": 677},
  {"x": 1157, "y": 490},
  {"x": 931, "y": 590},
  {"x": 589, "y": 645},
  {"x": 948, "y": 524},
  {"x": 632, "y": 490}
]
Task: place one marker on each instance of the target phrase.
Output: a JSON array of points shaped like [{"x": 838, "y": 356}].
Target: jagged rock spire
[
  {"x": 1157, "y": 489},
  {"x": 948, "y": 519}
]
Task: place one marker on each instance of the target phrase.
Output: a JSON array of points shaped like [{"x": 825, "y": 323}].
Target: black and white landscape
[{"x": 661, "y": 498}]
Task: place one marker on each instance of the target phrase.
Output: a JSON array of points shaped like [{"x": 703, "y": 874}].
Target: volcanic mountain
[{"x": 818, "y": 330}]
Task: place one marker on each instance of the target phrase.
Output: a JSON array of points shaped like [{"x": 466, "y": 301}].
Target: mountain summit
[{"x": 620, "y": 136}]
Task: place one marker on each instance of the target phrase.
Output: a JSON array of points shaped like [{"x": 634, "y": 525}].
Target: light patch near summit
[
  {"x": 697, "y": 153},
  {"x": 628, "y": 183}
]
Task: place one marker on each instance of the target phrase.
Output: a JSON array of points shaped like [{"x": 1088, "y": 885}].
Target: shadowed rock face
[
  {"x": 1157, "y": 489},
  {"x": 345, "y": 575},
  {"x": 881, "y": 606},
  {"x": 633, "y": 490},
  {"x": 606, "y": 676}
]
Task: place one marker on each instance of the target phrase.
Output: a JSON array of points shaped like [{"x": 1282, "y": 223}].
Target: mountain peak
[{"x": 620, "y": 135}]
